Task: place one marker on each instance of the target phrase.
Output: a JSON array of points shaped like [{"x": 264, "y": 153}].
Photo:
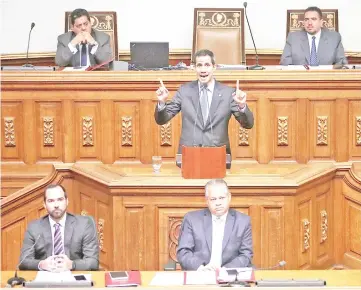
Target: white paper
[
  {"x": 45, "y": 276},
  {"x": 71, "y": 68},
  {"x": 201, "y": 278},
  {"x": 293, "y": 67},
  {"x": 168, "y": 279}
]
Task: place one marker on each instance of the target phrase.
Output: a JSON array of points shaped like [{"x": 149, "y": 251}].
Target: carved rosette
[
  {"x": 127, "y": 131},
  {"x": 9, "y": 131},
  {"x": 306, "y": 234},
  {"x": 282, "y": 131},
  {"x": 358, "y": 131},
  {"x": 174, "y": 230},
  {"x": 324, "y": 225},
  {"x": 165, "y": 134},
  {"x": 243, "y": 137},
  {"x": 48, "y": 127},
  {"x": 88, "y": 131},
  {"x": 224, "y": 19},
  {"x": 322, "y": 129},
  {"x": 101, "y": 234},
  {"x": 84, "y": 212}
]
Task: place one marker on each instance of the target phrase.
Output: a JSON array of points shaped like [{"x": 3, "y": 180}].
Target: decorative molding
[
  {"x": 306, "y": 233},
  {"x": 224, "y": 19},
  {"x": 175, "y": 224},
  {"x": 101, "y": 234},
  {"x": 9, "y": 131},
  {"x": 84, "y": 212},
  {"x": 282, "y": 131},
  {"x": 243, "y": 137},
  {"x": 322, "y": 129},
  {"x": 166, "y": 134},
  {"x": 48, "y": 127},
  {"x": 88, "y": 131},
  {"x": 358, "y": 130},
  {"x": 324, "y": 225},
  {"x": 297, "y": 19},
  {"x": 127, "y": 131}
]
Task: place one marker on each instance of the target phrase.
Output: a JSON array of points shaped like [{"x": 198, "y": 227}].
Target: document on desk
[
  {"x": 45, "y": 276},
  {"x": 232, "y": 274},
  {"x": 77, "y": 68},
  {"x": 200, "y": 278},
  {"x": 168, "y": 279}
]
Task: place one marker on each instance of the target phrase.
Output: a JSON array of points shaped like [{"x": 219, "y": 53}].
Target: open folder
[{"x": 94, "y": 67}]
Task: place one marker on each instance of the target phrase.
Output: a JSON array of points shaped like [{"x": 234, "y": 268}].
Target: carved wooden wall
[
  {"x": 108, "y": 117},
  {"x": 307, "y": 217}
]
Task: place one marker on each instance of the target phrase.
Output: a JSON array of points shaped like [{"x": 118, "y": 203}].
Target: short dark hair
[
  {"x": 205, "y": 52},
  {"x": 78, "y": 13},
  {"x": 316, "y": 9},
  {"x": 54, "y": 186}
]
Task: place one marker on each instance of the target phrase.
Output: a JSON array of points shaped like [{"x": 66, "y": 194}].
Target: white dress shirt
[
  {"x": 317, "y": 40},
  {"x": 74, "y": 50},
  {"x": 62, "y": 229},
  {"x": 218, "y": 224}
]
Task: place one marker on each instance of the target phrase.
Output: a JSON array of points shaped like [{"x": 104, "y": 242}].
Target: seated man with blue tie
[
  {"x": 60, "y": 241},
  {"x": 314, "y": 45},
  {"x": 217, "y": 236},
  {"x": 82, "y": 46}
]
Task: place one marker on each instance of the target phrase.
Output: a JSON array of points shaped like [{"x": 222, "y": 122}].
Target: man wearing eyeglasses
[
  {"x": 82, "y": 46},
  {"x": 217, "y": 236}
]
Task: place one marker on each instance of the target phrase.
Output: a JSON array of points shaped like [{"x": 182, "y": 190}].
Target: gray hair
[{"x": 216, "y": 182}]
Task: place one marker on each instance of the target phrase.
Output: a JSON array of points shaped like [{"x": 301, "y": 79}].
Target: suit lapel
[
  {"x": 207, "y": 223},
  {"x": 228, "y": 228},
  {"x": 322, "y": 46},
  {"x": 47, "y": 236},
  {"x": 68, "y": 233},
  {"x": 216, "y": 98},
  {"x": 305, "y": 47}
]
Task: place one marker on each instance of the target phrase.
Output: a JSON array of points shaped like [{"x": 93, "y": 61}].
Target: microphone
[
  {"x": 27, "y": 51},
  {"x": 256, "y": 66},
  {"x": 19, "y": 280},
  {"x": 280, "y": 264}
]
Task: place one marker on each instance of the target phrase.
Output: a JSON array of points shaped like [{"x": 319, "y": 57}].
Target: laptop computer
[{"x": 151, "y": 55}]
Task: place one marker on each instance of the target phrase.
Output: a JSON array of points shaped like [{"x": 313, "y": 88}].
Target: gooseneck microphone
[
  {"x": 19, "y": 280},
  {"x": 27, "y": 64},
  {"x": 256, "y": 66}
]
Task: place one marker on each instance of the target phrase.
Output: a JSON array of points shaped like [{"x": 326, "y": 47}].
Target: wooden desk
[{"x": 334, "y": 278}]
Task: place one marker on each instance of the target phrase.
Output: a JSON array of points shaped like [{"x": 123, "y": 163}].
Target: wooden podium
[{"x": 203, "y": 162}]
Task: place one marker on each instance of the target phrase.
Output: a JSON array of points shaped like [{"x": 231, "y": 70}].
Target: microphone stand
[
  {"x": 256, "y": 66},
  {"x": 27, "y": 64},
  {"x": 16, "y": 280}
]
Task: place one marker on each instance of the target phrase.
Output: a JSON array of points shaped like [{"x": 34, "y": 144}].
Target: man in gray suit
[
  {"x": 314, "y": 45},
  {"x": 82, "y": 46},
  {"x": 215, "y": 237},
  {"x": 206, "y": 106},
  {"x": 60, "y": 241}
]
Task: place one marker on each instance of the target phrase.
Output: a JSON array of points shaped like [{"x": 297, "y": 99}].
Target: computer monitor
[{"x": 150, "y": 55}]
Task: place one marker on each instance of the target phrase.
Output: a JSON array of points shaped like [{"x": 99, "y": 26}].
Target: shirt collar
[
  {"x": 317, "y": 35},
  {"x": 210, "y": 86},
  {"x": 61, "y": 222},
  {"x": 221, "y": 218}
]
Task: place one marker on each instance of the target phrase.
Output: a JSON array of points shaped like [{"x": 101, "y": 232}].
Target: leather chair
[
  {"x": 221, "y": 31},
  {"x": 295, "y": 19},
  {"x": 105, "y": 21}
]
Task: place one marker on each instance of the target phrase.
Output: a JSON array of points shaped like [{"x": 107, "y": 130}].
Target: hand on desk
[
  {"x": 59, "y": 263},
  {"x": 208, "y": 267}
]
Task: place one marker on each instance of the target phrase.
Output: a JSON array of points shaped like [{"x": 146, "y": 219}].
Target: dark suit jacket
[
  {"x": 196, "y": 133},
  {"x": 64, "y": 56},
  {"x": 80, "y": 243},
  {"x": 195, "y": 240},
  {"x": 297, "y": 49}
]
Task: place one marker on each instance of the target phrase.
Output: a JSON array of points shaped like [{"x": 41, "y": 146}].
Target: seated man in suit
[
  {"x": 60, "y": 241},
  {"x": 314, "y": 45},
  {"x": 215, "y": 237},
  {"x": 82, "y": 46},
  {"x": 206, "y": 105}
]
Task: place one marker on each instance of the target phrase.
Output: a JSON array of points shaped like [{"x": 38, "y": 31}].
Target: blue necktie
[
  {"x": 313, "y": 56},
  {"x": 58, "y": 241},
  {"x": 83, "y": 60}
]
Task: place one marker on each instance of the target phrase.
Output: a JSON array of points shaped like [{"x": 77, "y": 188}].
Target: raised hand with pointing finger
[
  {"x": 162, "y": 92},
  {"x": 239, "y": 96}
]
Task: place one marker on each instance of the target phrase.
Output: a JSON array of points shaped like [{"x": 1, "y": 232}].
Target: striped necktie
[
  {"x": 58, "y": 241},
  {"x": 313, "y": 56}
]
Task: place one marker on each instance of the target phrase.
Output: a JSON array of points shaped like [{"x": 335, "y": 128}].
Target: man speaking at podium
[
  {"x": 82, "y": 46},
  {"x": 206, "y": 105}
]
